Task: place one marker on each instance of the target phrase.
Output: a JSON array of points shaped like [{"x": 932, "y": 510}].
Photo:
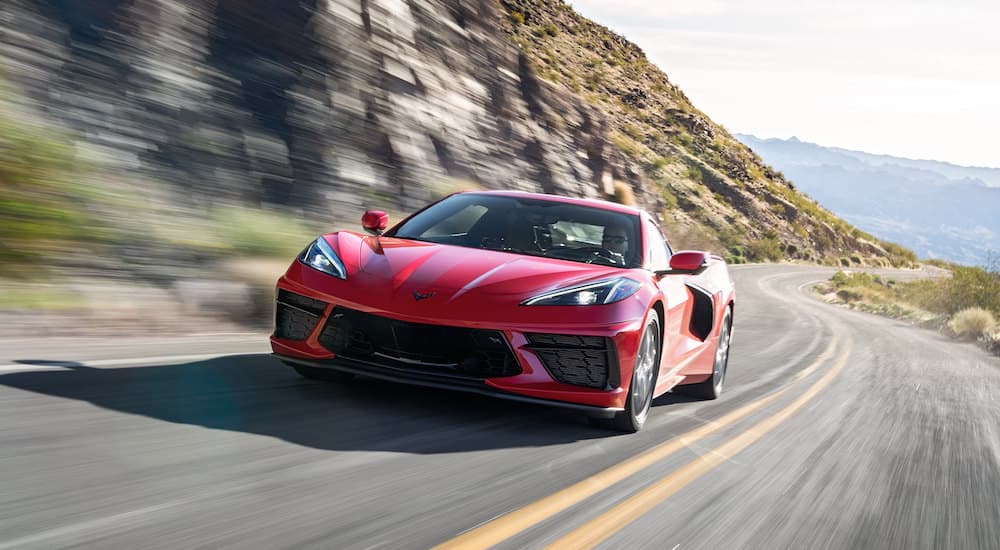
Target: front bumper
[
  {"x": 532, "y": 381},
  {"x": 391, "y": 374}
]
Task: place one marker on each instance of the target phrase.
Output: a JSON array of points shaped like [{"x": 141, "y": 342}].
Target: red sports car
[{"x": 569, "y": 302}]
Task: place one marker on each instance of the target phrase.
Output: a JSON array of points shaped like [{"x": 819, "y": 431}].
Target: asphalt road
[{"x": 837, "y": 430}]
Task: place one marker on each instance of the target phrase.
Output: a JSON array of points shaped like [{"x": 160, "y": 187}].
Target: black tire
[
  {"x": 326, "y": 375},
  {"x": 712, "y": 387},
  {"x": 643, "y": 384}
]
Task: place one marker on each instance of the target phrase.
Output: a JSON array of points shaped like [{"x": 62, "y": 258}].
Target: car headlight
[
  {"x": 602, "y": 292},
  {"x": 321, "y": 257}
]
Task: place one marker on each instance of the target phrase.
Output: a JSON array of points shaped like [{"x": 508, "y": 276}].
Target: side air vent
[{"x": 702, "y": 312}]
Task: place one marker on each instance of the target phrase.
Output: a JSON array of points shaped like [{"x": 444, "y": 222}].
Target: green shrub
[
  {"x": 42, "y": 209},
  {"x": 849, "y": 294},
  {"x": 683, "y": 139},
  {"x": 974, "y": 287},
  {"x": 46, "y": 297},
  {"x": 627, "y": 145},
  {"x": 517, "y": 18},
  {"x": 656, "y": 166},
  {"x": 840, "y": 279},
  {"x": 898, "y": 255},
  {"x": 765, "y": 250},
  {"x": 860, "y": 279},
  {"x": 736, "y": 254},
  {"x": 968, "y": 287},
  {"x": 633, "y": 131},
  {"x": 694, "y": 173},
  {"x": 594, "y": 79},
  {"x": 669, "y": 199},
  {"x": 734, "y": 260}
]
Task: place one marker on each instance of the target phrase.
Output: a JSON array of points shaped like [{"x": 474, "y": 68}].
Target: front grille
[
  {"x": 296, "y": 315},
  {"x": 471, "y": 353},
  {"x": 577, "y": 360}
]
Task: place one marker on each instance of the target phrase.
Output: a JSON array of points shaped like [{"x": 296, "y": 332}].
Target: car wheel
[
  {"x": 326, "y": 375},
  {"x": 640, "y": 390},
  {"x": 712, "y": 388}
]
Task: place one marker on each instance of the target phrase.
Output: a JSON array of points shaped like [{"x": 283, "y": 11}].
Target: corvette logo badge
[{"x": 418, "y": 296}]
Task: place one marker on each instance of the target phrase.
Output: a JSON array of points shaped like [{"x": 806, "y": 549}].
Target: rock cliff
[{"x": 338, "y": 105}]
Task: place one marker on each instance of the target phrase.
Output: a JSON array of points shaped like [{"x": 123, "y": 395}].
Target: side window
[{"x": 658, "y": 248}]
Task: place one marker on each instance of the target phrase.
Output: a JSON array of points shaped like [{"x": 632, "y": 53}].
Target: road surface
[{"x": 837, "y": 429}]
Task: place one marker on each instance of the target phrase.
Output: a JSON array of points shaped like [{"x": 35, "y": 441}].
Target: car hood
[{"x": 414, "y": 266}]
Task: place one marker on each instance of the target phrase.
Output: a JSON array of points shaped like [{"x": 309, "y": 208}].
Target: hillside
[
  {"x": 939, "y": 210},
  {"x": 711, "y": 191},
  {"x": 314, "y": 110}
]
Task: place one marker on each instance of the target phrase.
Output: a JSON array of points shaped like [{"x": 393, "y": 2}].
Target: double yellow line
[{"x": 604, "y": 526}]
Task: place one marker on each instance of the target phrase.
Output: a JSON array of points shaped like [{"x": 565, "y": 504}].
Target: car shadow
[
  {"x": 257, "y": 394},
  {"x": 671, "y": 398}
]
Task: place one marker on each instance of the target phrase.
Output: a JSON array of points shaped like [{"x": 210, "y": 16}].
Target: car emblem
[{"x": 418, "y": 296}]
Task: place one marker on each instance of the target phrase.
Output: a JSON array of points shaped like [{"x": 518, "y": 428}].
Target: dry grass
[
  {"x": 624, "y": 194},
  {"x": 260, "y": 276},
  {"x": 925, "y": 302},
  {"x": 973, "y": 322}
]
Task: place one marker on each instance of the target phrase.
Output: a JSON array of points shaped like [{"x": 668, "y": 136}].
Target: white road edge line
[{"x": 129, "y": 361}]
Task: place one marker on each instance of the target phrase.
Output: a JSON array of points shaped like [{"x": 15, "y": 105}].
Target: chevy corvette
[{"x": 569, "y": 302}]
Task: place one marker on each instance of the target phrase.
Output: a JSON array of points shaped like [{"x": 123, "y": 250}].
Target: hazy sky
[{"x": 913, "y": 78}]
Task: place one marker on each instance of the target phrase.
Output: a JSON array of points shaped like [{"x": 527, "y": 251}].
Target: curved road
[{"x": 837, "y": 430}]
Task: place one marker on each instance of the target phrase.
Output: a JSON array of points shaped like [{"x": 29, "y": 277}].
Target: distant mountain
[{"x": 937, "y": 209}]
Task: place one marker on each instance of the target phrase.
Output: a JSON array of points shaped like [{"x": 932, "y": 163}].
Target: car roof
[{"x": 594, "y": 203}]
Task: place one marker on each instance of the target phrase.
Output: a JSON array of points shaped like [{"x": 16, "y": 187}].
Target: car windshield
[{"x": 534, "y": 227}]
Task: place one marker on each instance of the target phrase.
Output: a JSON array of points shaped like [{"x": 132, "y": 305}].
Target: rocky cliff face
[
  {"x": 290, "y": 102},
  {"x": 345, "y": 104}
]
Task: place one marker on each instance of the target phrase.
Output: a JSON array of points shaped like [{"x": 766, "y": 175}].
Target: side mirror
[
  {"x": 686, "y": 261},
  {"x": 375, "y": 221}
]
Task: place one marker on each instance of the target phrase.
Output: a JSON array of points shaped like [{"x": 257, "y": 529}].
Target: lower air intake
[
  {"x": 295, "y": 315},
  {"x": 587, "y": 361},
  {"x": 432, "y": 349}
]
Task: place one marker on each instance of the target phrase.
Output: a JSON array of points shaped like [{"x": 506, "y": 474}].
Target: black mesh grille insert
[
  {"x": 296, "y": 315},
  {"x": 305, "y": 303},
  {"x": 578, "y": 360},
  {"x": 568, "y": 341},
  {"x": 456, "y": 351}
]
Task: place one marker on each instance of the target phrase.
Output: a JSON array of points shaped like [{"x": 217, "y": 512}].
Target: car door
[{"x": 676, "y": 347}]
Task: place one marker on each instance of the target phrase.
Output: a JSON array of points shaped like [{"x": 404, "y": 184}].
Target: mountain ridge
[
  {"x": 987, "y": 175},
  {"x": 935, "y": 214}
]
